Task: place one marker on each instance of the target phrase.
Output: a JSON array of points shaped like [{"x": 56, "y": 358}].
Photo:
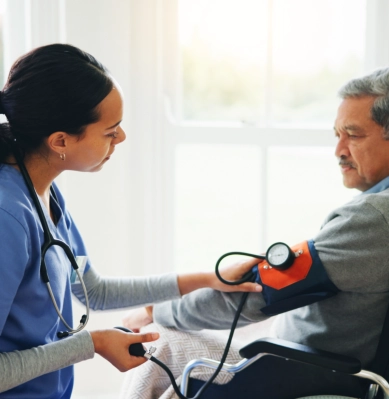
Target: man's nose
[{"x": 341, "y": 149}]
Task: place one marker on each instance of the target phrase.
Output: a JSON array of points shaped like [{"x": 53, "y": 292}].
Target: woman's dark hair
[{"x": 52, "y": 88}]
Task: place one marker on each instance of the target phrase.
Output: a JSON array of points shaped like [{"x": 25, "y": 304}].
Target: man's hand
[{"x": 138, "y": 318}]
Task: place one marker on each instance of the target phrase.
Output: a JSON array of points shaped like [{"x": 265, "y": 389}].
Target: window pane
[
  {"x": 304, "y": 185},
  {"x": 268, "y": 62},
  {"x": 316, "y": 49},
  {"x": 223, "y": 55},
  {"x": 217, "y": 203}
]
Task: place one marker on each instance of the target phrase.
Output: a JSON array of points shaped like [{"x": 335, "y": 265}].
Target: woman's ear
[{"x": 58, "y": 142}]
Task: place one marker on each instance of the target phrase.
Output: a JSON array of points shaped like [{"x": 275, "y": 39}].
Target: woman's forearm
[{"x": 18, "y": 367}]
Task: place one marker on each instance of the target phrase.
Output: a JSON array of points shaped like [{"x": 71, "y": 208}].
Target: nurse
[{"x": 64, "y": 112}]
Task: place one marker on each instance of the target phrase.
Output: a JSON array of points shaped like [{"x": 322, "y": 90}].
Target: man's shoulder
[
  {"x": 363, "y": 206},
  {"x": 379, "y": 201},
  {"x": 374, "y": 199}
]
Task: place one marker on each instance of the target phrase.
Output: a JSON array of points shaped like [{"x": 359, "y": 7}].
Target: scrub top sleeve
[{"x": 14, "y": 255}]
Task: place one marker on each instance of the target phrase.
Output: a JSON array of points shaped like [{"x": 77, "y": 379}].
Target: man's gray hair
[{"x": 375, "y": 84}]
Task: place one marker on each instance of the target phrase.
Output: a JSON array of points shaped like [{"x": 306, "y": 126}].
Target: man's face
[{"x": 362, "y": 151}]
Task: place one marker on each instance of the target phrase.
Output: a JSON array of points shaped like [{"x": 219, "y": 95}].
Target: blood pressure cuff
[{"x": 303, "y": 283}]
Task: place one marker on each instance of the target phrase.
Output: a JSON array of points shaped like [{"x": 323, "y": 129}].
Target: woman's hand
[
  {"x": 113, "y": 346},
  {"x": 193, "y": 281}
]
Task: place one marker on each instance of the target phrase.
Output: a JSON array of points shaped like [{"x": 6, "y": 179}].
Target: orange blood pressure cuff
[{"x": 305, "y": 282}]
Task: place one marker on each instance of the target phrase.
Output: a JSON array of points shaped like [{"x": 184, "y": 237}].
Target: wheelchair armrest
[{"x": 302, "y": 353}]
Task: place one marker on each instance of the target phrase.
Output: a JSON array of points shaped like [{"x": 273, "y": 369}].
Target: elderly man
[{"x": 352, "y": 246}]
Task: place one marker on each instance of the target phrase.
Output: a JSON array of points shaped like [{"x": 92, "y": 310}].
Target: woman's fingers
[{"x": 144, "y": 337}]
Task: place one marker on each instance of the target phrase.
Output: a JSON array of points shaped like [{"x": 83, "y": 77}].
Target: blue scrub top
[{"x": 27, "y": 315}]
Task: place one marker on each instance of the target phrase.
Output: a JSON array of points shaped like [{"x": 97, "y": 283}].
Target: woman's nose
[{"x": 121, "y": 136}]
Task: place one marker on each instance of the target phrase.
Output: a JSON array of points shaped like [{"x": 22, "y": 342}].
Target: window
[
  {"x": 256, "y": 96},
  {"x": 268, "y": 63},
  {"x": 218, "y": 200}
]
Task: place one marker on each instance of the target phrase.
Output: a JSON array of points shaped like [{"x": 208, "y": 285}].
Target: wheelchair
[
  {"x": 270, "y": 357},
  {"x": 376, "y": 384}
]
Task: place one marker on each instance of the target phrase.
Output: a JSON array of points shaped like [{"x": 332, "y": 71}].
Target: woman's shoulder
[{"x": 14, "y": 196}]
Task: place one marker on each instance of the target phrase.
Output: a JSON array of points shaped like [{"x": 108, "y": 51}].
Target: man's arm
[
  {"x": 352, "y": 245},
  {"x": 209, "y": 309}
]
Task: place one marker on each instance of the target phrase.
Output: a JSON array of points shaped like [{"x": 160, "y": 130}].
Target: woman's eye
[{"x": 113, "y": 135}]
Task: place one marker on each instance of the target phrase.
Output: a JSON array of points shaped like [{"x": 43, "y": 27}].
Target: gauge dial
[{"x": 280, "y": 256}]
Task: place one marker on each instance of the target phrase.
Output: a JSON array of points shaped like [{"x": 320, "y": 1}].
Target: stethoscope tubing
[
  {"x": 84, "y": 318},
  {"x": 50, "y": 241}
]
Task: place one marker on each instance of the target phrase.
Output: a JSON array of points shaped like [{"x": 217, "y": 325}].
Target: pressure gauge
[{"x": 280, "y": 256}]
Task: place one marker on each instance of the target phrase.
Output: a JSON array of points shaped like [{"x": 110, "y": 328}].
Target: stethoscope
[{"x": 50, "y": 241}]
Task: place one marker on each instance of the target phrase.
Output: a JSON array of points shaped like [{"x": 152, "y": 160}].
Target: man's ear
[{"x": 58, "y": 142}]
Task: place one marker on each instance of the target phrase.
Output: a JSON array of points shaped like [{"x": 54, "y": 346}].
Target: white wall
[
  {"x": 103, "y": 204},
  {"x": 112, "y": 208}
]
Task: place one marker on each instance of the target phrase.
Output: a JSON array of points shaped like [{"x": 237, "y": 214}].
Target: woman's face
[{"x": 90, "y": 151}]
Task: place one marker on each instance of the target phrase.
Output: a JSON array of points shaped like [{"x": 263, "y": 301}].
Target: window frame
[{"x": 173, "y": 132}]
